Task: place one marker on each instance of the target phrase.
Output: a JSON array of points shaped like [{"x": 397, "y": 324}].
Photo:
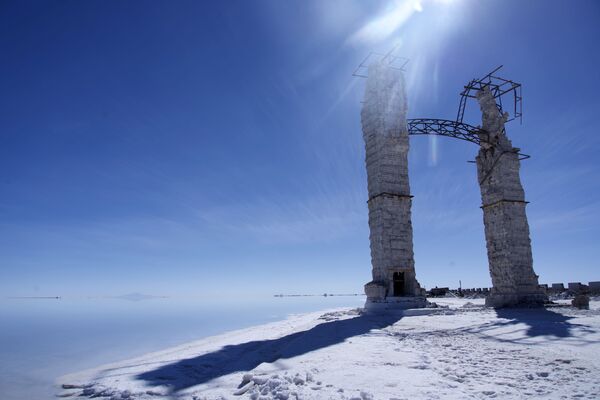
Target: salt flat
[{"x": 464, "y": 351}]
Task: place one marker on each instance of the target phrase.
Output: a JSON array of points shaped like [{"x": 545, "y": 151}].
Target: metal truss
[
  {"x": 444, "y": 127},
  {"x": 456, "y": 129},
  {"x": 499, "y": 87},
  {"x": 453, "y": 129}
]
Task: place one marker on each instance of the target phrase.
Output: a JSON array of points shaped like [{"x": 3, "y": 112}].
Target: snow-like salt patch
[{"x": 463, "y": 352}]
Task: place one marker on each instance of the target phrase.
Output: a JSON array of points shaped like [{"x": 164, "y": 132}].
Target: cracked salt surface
[{"x": 459, "y": 353}]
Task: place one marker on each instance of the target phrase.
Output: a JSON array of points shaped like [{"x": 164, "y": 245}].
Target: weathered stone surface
[
  {"x": 506, "y": 228},
  {"x": 385, "y": 132},
  {"x": 581, "y": 301},
  {"x": 594, "y": 287},
  {"x": 559, "y": 287},
  {"x": 395, "y": 304},
  {"x": 575, "y": 287}
]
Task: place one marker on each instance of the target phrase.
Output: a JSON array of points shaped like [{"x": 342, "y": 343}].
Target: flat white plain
[{"x": 464, "y": 351}]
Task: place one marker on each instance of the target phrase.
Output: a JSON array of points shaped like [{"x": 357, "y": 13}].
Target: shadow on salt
[
  {"x": 533, "y": 326},
  {"x": 244, "y": 357}
]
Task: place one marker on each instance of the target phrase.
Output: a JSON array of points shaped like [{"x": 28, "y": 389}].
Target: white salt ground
[{"x": 462, "y": 352}]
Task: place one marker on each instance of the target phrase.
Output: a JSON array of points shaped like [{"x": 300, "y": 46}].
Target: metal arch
[
  {"x": 444, "y": 127},
  {"x": 453, "y": 129},
  {"x": 458, "y": 129}
]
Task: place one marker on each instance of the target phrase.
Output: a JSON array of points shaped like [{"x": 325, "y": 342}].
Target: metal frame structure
[
  {"x": 460, "y": 130},
  {"x": 499, "y": 87},
  {"x": 456, "y": 129},
  {"x": 395, "y": 62}
]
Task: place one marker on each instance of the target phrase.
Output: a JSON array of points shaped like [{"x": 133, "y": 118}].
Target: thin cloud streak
[
  {"x": 578, "y": 219},
  {"x": 269, "y": 221}
]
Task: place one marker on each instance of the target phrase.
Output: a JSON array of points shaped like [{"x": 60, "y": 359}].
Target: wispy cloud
[
  {"x": 274, "y": 221},
  {"x": 577, "y": 219}
]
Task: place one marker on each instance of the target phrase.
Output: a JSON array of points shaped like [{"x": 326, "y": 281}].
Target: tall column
[
  {"x": 385, "y": 132},
  {"x": 503, "y": 203}
]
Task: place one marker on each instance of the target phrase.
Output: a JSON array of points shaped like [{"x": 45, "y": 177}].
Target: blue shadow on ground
[
  {"x": 534, "y": 326},
  {"x": 540, "y": 321},
  {"x": 543, "y": 322},
  {"x": 247, "y": 356}
]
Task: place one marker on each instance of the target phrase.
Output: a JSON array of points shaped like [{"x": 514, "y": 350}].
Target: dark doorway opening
[{"x": 398, "y": 283}]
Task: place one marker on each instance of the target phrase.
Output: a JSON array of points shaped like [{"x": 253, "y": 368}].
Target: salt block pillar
[
  {"x": 503, "y": 203},
  {"x": 385, "y": 133}
]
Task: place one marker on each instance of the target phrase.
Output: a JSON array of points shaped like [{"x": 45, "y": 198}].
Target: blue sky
[{"x": 204, "y": 148}]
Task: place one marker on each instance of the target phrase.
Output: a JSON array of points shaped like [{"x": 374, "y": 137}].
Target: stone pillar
[
  {"x": 385, "y": 132},
  {"x": 506, "y": 228}
]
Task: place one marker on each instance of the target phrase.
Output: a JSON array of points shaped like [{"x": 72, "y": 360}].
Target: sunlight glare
[
  {"x": 394, "y": 18},
  {"x": 384, "y": 25}
]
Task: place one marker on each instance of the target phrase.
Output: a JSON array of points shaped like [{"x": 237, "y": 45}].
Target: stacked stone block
[
  {"x": 385, "y": 133},
  {"x": 575, "y": 287},
  {"x": 558, "y": 287},
  {"x": 506, "y": 228}
]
